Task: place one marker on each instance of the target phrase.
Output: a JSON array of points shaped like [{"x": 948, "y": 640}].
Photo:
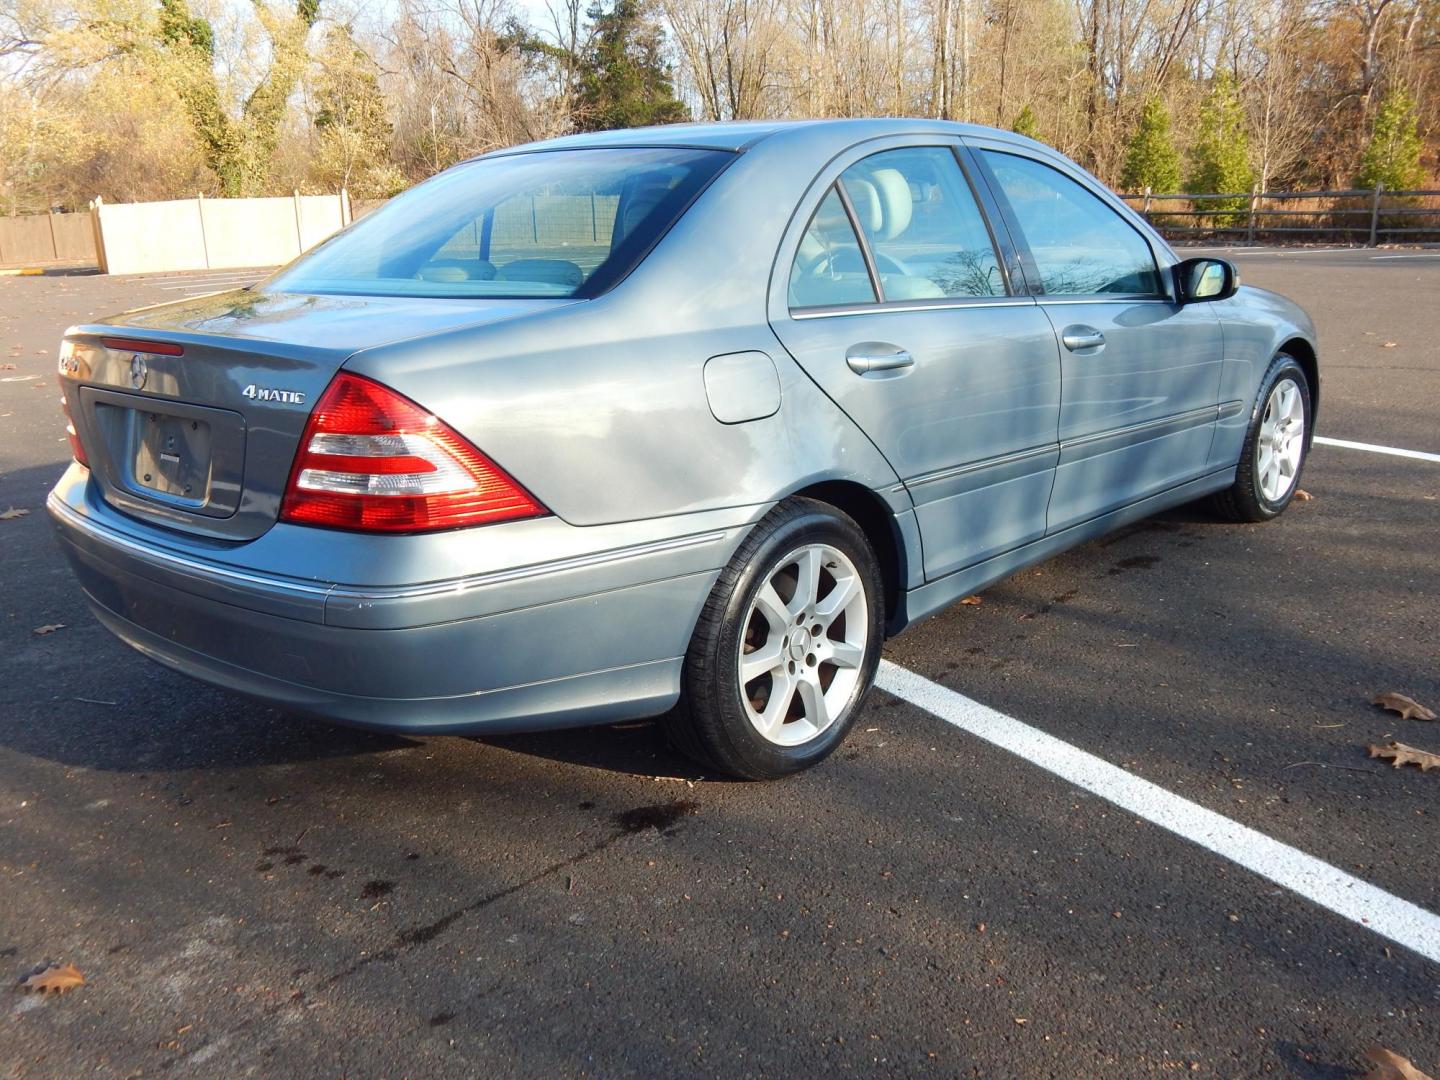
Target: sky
[{"x": 534, "y": 11}]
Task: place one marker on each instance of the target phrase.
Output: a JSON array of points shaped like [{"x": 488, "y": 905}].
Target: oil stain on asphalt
[
  {"x": 660, "y": 817},
  {"x": 1134, "y": 562}
]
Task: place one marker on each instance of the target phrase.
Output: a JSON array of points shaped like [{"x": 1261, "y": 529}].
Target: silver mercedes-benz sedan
[{"x": 683, "y": 420}]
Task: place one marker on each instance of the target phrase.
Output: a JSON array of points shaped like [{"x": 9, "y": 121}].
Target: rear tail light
[
  {"x": 373, "y": 460},
  {"x": 75, "y": 448}
]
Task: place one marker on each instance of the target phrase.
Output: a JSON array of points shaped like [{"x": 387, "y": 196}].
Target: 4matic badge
[{"x": 269, "y": 393}]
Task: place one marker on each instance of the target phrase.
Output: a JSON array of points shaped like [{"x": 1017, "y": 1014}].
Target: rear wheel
[
  {"x": 1275, "y": 447},
  {"x": 786, "y": 647}
]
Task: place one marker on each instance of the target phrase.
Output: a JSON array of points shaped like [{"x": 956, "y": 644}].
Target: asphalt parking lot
[{"x": 252, "y": 894}]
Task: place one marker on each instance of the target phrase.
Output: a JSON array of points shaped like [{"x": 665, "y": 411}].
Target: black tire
[
  {"x": 712, "y": 722},
  {"x": 1244, "y": 500}
]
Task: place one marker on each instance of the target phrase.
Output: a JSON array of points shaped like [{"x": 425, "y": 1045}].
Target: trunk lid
[{"x": 191, "y": 413}]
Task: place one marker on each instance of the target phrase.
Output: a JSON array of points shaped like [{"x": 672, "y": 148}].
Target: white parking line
[
  {"x": 198, "y": 282},
  {"x": 1394, "y": 451},
  {"x": 1283, "y": 252},
  {"x": 198, "y": 277},
  {"x": 214, "y": 283},
  {"x": 1426, "y": 255},
  {"x": 1389, "y": 916},
  {"x": 171, "y": 279}
]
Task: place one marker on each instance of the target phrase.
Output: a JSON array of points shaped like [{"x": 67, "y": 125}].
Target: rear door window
[{"x": 924, "y": 227}]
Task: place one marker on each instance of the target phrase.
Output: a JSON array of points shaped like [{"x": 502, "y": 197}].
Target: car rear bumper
[{"x": 590, "y": 638}]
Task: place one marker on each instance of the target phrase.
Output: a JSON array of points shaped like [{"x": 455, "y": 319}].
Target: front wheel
[
  {"x": 1275, "y": 446},
  {"x": 786, "y": 647}
]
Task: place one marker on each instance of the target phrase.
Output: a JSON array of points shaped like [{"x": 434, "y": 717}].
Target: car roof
[
  {"x": 742, "y": 134},
  {"x": 816, "y": 140}
]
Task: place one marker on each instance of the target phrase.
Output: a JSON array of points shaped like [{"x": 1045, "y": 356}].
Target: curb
[{"x": 25, "y": 271}]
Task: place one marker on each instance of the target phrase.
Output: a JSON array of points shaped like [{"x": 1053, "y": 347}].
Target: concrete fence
[
  {"x": 531, "y": 220},
  {"x": 47, "y": 238},
  {"x": 180, "y": 234},
  {"x": 212, "y": 234}
]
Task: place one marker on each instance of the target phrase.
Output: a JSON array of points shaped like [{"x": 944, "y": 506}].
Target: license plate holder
[{"x": 172, "y": 456}]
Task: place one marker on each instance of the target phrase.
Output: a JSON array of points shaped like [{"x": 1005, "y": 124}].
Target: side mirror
[{"x": 1198, "y": 281}]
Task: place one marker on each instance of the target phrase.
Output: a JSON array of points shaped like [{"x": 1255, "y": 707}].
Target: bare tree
[
  {"x": 229, "y": 99},
  {"x": 731, "y": 50}
]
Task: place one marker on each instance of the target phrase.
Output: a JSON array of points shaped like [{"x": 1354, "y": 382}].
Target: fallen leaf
[
  {"x": 1400, "y": 754},
  {"x": 972, "y": 601},
  {"x": 7, "y": 515},
  {"x": 48, "y": 628},
  {"x": 1301, "y": 495},
  {"x": 1391, "y": 1066},
  {"x": 1389, "y": 345},
  {"x": 1407, "y": 707},
  {"x": 53, "y": 980},
  {"x": 7, "y": 367}
]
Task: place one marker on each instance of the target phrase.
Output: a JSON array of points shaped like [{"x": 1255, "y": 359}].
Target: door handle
[
  {"x": 1082, "y": 339},
  {"x": 873, "y": 357}
]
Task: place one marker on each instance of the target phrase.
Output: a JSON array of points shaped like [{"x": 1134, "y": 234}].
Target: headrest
[
  {"x": 643, "y": 198},
  {"x": 896, "y": 204},
  {"x": 866, "y": 201}
]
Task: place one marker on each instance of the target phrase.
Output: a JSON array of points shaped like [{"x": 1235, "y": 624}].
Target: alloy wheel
[
  {"x": 803, "y": 645},
  {"x": 1282, "y": 441}
]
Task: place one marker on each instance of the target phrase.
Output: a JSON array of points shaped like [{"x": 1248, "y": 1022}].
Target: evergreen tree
[
  {"x": 1151, "y": 159},
  {"x": 1026, "y": 124},
  {"x": 1393, "y": 156},
  {"x": 624, "y": 79},
  {"x": 1220, "y": 159}
]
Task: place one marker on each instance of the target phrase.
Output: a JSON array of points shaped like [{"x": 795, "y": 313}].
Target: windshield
[{"x": 551, "y": 223}]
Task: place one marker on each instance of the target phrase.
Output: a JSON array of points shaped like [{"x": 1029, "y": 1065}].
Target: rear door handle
[
  {"x": 874, "y": 358},
  {"x": 1082, "y": 339}
]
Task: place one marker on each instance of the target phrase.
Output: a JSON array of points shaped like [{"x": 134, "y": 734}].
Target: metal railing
[{"x": 1358, "y": 215}]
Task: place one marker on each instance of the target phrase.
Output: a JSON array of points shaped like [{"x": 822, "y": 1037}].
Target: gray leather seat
[
  {"x": 449, "y": 270},
  {"x": 885, "y": 208},
  {"x": 549, "y": 271}
]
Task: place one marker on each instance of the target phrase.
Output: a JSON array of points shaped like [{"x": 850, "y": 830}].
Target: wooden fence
[
  {"x": 1368, "y": 216},
  {"x": 47, "y": 238}
]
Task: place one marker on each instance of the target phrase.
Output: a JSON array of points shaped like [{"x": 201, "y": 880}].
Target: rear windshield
[{"x": 552, "y": 223}]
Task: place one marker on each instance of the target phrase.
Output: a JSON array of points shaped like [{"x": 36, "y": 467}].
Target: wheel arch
[
  {"x": 877, "y": 522},
  {"x": 1304, "y": 353}
]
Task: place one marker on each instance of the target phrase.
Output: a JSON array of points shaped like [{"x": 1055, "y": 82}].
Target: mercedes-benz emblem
[{"x": 139, "y": 371}]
